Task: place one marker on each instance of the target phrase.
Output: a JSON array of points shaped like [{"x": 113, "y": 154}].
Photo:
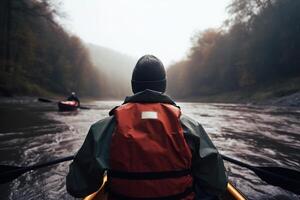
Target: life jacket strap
[
  {"x": 148, "y": 175},
  {"x": 179, "y": 196}
]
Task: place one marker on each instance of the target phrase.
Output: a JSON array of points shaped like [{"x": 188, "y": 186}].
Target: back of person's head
[{"x": 149, "y": 73}]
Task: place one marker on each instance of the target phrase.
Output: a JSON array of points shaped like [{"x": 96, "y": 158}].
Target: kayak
[
  {"x": 232, "y": 193},
  {"x": 67, "y": 105}
]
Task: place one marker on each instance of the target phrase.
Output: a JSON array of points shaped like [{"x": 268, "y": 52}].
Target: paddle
[
  {"x": 52, "y": 101},
  {"x": 285, "y": 178},
  {"x": 84, "y": 108},
  {"x": 9, "y": 173},
  {"x": 45, "y": 100}
]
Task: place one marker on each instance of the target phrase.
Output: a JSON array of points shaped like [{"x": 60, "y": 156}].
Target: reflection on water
[{"x": 32, "y": 132}]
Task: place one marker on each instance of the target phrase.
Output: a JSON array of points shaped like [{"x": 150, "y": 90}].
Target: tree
[
  {"x": 259, "y": 45},
  {"x": 40, "y": 55}
]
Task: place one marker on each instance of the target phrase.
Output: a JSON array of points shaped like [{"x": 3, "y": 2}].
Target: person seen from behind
[
  {"x": 73, "y": 97},
  {"x": 149, "y": 149}
]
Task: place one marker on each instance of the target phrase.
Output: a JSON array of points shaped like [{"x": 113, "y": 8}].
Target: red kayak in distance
[{"x": 67, "y": 105}]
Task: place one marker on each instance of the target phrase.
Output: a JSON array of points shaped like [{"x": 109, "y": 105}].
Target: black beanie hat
[{"x": 149, "y": 73}]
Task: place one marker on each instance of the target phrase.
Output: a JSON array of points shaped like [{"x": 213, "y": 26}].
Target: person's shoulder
[
  {"x": 192, "y": 126},
  {"x": 101, "y": 128},
  {"x": 188, "y": 120},
  {"x": 103, "y": 122}
]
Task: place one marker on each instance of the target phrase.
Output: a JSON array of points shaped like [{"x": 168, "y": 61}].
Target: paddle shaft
[
  {"x": 238, "y": 162},
  {"x": 52, "y": 101},
  {"x": 21, "y": 170},
  {"x": 285, "y": 178},
  {"x": 53, "y": 162},
  {"x": 46, "y": 100},
  {"x": 253, "y": 168},
  {"x": 282, "y": 178}
]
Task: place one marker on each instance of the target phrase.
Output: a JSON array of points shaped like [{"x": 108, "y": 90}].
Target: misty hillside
[{"x": 116, "y": 67}]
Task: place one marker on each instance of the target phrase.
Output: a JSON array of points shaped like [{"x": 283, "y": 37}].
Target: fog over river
[{"x": 33, "y": 132}]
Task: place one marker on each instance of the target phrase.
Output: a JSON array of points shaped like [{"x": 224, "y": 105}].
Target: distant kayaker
[
  {"x": 149, "y": 149},
  {"x": 73, "y": 97}
]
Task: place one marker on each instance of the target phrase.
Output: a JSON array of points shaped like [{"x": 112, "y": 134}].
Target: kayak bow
[
  {"x": 232, "y": 193},
  {"x": 67, "y": 105}
]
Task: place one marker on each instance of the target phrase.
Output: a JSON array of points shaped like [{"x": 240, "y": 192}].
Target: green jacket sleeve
[
  {"x": 207, "y": 165},
  {"x": 86, "y": 171}
]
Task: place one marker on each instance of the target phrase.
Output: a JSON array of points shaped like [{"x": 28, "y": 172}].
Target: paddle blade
[
  {"x": 9, "y": 173},
  {"x": 84, "y": 108},
  {"x": 285, "y": 178},
  {"x": 45, "y": 100}
]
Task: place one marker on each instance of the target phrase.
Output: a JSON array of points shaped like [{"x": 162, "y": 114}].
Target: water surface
[{"x": 32, "y": 132}]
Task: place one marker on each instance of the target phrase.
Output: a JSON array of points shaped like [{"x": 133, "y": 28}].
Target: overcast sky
[{"x": 137, "y": 27}]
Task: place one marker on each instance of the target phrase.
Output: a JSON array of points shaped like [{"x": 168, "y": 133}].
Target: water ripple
[{"x": 258, "y": 135}]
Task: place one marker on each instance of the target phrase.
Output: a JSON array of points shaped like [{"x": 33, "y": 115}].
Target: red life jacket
[{"x": 149, "y": 157}]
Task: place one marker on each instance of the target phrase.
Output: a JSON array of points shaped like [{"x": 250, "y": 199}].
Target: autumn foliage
[
  {"x": 38, "y": 56},
  {"x": 258, "y": 44}
]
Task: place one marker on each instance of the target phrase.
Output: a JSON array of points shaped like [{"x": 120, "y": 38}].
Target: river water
[{"x": 33, "y": 132}]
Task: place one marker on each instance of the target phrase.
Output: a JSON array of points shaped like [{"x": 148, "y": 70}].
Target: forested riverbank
[
  {"x": 285, "y": 93},
  {"x": 37, "y": 56},
  {"x": 254, "y": 57}
]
